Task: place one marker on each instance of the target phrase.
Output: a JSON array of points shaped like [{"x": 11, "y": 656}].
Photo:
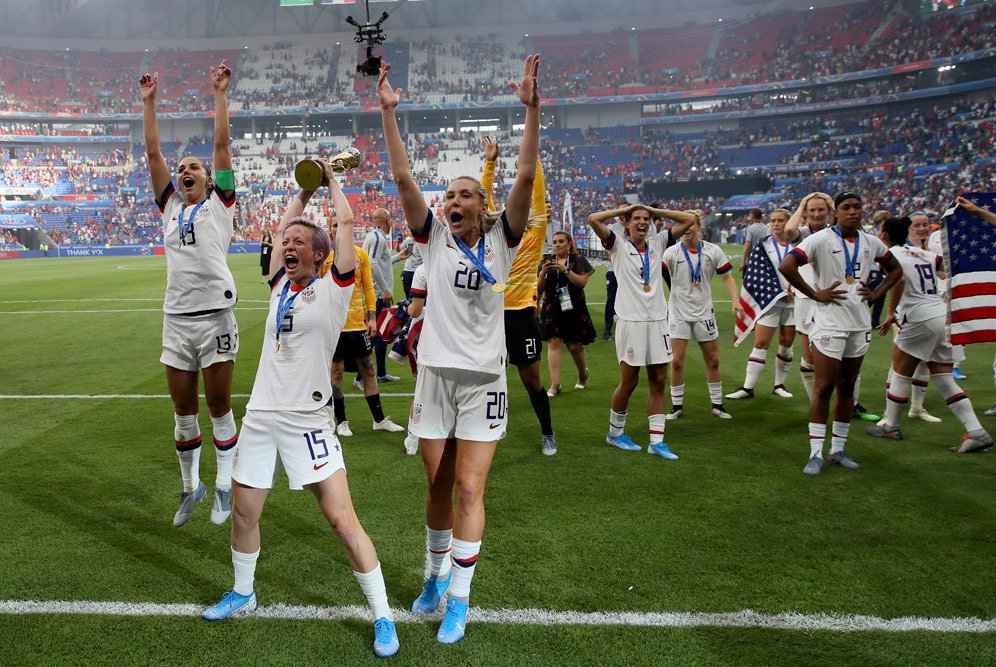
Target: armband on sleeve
[{"x": 225, "y": 179}]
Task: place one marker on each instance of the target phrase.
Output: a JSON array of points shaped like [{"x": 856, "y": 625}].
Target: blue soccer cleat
[
  {"x": 385, "y": 638},
  {"x": 622, "y": 442},
  {"x": 958, "y": 374},
  {"x": 188, "y": 500},
  {"x": 454, "y": 622},
  {"x": 232, "y": 604},
  {"x": 662, "y": 451},
  {"x": 432, "y": 594}
]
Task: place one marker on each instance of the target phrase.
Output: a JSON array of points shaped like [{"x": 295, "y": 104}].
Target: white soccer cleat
[
  {"x": 923, "y": 415},
  {"x": 779, "y": 390},
  {"x": 741, "y": 394},
  {"x": 343, "y": 429},
  {"x": 388, "y": 425},
  {"x": 358, "y": 383}
]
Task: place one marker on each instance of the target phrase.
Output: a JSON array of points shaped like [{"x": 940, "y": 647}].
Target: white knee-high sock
[
  {"x": 957, "y": 401},
  {"x": 897, "y": 396},
  {"x": 783, "y": 363},
  {"x": 920, "y": 377},
  {"x": 715, "y": 392},
  {"x": 817, "y": 435},
  {"x": 857, "y": 389},
  {"x": 438, "y": 544},
  {"x": 617, "y": 423},
  {"x": 808, "y": 375},
  {"x": 226, "y": 438},
  {"x": 838, "y": 436},
  {"x": 187, "y": 434},
  {"x": 372, "y": 583},
  {"x": 677, "y": 395},
  {"x": 245, "y": 571},
  {"x": 755, "y": 365},
  {"x": 464, "y": 557},
  {"x": 657, "y": 423}
]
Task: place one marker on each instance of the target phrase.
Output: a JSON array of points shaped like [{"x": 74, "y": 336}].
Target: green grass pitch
[{"x": 88, "y": 492}]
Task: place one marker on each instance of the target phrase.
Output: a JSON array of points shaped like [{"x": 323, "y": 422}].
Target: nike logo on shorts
[
  {"x": 493, "y": 426},
  {"x": 319, "y": 467}
]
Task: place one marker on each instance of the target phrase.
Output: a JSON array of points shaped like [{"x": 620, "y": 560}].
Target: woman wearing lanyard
[
  {"x": 288, "y": 423},
  {"x": 779, "y": 317},
  {"x": 265, "y": 250},
  {"x": 842, "y": 258},
  {"x": 460, "y": 407},
  {"x": 642, "y": 338},
  {"x": 692, "y": 263},
  {"x": 564, "y": 317},
  {"x": 200, "y": 335}
]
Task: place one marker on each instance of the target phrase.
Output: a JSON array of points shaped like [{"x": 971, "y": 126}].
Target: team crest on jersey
[
  {"x": 308, "y": 295},
  {"x": 489, "y": 255},
  {"x": 416, "y": 413}
]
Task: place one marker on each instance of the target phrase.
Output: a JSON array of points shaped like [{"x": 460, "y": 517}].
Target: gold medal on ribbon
[
  {"x": 498, "y": 287},
  {"x": 646, "y": 288},
  {"x": 278, "y": 346},
  {"x": 850, "y": 280}
]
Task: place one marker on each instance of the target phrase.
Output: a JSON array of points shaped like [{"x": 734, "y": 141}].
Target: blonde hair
[
  {"x": 781, "y": 211},
  {"x": 488, "y": 217},
  {"x": 880, "y": 216}
]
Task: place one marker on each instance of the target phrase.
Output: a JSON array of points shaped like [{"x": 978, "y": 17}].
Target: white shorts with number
[
  {"x": 782, "y": 314},
  {"x": 928, "y": 341},
  {"x": 193, "y": 343},
  {"x": 804, "y": 315},
  {"x": 303, "y": 443},
  {"x": 643, "y": 343},
  {"x": 840, "y": 344},
  {"x": 458, "y": 403},
  {"x": 702, "y": 331}
]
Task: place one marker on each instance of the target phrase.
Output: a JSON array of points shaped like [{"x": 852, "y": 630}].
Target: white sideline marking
[
  {"x": 158, "y": 299},
  {"x": 740, "y": 619},
  {"x": 103, "y": 310},
  {"x": 105, "y": 397}
]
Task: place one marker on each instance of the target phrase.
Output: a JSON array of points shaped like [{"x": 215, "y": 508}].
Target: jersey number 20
[{"x": 467, "y": 278}]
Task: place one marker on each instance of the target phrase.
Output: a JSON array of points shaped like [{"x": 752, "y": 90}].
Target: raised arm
[
  {"x": 491, "y": 151},
  {"x": 150, "y": 124},
  {"x": 682, "y": 220},
  {"x": 221, "y": 77},
  {"x": 975, "y": 210},
  {"x": 412, "y": 201},
  {"x": 294, "y": 210},
  {"x": 597, "y": 221},
  {"x": 345, "y": 251},
  {"x": 521, "y": 194}
]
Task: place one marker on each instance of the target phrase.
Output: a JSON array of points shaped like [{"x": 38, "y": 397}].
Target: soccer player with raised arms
[
  {"x": 288, "y": 422},
  {"x": 461, "y": 402},
  {"x": 200, "y": 335}
]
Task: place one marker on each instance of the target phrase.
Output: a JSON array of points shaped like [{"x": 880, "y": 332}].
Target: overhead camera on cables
[{"x": 372, "y": 34}]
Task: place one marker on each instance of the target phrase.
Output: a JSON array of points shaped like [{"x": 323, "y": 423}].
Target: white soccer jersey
[
  {"x": 420, "y": 289},
  {"x": 921, "y": 299},
  {"x": 934, "y": 242},
  {"x": 824, "y": 250},
  {"x": 465, "y": 328},
  {"x": 197, "y": 275},
  {"x": 632, "y": 302},
  {"x": 296, "y": 377},
  {"x": 690, "y": 302}
]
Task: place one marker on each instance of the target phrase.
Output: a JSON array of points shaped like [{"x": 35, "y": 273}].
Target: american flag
[
  {"x": 970, "y": 259},
  {"x": 760, "y": 291}
]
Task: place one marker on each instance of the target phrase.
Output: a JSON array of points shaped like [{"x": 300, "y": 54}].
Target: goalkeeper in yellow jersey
[{"x": 522, "y": 333}]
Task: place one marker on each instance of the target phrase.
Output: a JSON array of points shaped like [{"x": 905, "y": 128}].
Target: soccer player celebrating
[
  {"x": 780, "y": 317},
  {"x": 461, "y": 402},
  {"x": 921, "y": 338},
  {"x": 692, "y": 264},
  {"x": 841, "y": 258},
  {"x": 288, "y": 404},
  {"x": 354, "y": 347},
  {"x": 200, "y": 334},
  {"x": 522, "y": 334},
  {"x": 642, "y": 338}
]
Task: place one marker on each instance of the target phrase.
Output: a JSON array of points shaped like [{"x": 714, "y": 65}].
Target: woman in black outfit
[
  {"x": 265, "y": 250},
  {"x": 564, "y": 316}
]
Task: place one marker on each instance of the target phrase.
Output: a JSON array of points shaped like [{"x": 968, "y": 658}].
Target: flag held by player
[
  {"x": 760, "y": 291},
  {"x": 970, "y": 260}
]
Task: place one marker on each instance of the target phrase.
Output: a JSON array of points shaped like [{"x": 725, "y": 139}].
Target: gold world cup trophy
[{"x": 309, "y": 174}]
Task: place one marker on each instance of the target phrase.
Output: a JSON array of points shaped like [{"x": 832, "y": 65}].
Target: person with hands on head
[
  {"x": 522, "y": 332},
  {"x": 842, "y": 259},
  {"x": 564, "y": 317},
  {"x": 200, "y": 334},
  {"x": 691, "y": 265},
  {"x": 642, "y": 338},
  {"x": 288, "y": 422},
  {"x": 461, "y": 399},
  {"x": 921, "y": 338}
]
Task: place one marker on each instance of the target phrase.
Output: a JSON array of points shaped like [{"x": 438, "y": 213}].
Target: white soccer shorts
[
  {"x": 194, "y": 343},
  {"x": 458, "y": 403},
  {"x": 302, "y": 443},
  {"x": 702, "y": 331},
  {"x": 928, "y": 341},
  {"x": 782, "y": 314},
  {"x": 840, "y": 344},
  {"x": 643, "y": 343},
  {"x": 804, "y": 315}
]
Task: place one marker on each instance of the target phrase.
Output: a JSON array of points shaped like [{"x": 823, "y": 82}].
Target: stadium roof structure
[{"x": 192, "y": 19}]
